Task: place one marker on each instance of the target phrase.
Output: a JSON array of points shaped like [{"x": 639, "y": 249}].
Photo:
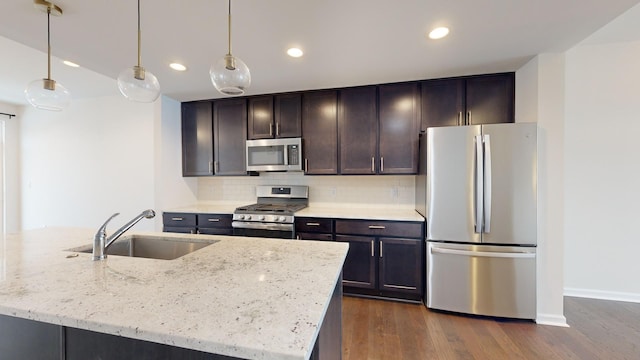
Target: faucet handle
[{"x": 103, "y": 229}]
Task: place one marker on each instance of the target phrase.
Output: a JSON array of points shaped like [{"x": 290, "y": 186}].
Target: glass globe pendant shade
[
  {"x": 230, "y": 75},
  {"x": 139, "y": 85},
  {"x": 46, "y": 94}
]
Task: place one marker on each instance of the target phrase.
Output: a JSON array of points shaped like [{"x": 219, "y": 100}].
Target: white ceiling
[{"x": 346, "y": 42}]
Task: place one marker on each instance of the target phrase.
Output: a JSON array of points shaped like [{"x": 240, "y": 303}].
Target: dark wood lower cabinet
[{"x": 359, "y": 268}]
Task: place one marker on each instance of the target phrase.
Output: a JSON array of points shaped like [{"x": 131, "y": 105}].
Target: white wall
[
  {"x": 11, "y": 166},
  {"x": 172, "y": 190},
  {"x": 603, "y": 167},
  {"x": 83, "y": 164},
  {"x": 540, "y": 93}
]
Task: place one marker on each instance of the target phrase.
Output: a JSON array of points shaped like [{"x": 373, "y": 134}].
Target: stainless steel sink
[{"x": 152, "y": 247}]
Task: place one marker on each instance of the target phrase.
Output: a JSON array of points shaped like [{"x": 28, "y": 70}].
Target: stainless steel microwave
[{"x": 274, "y": 154}]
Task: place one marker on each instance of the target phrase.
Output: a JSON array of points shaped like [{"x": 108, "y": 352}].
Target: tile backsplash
[{"x": 337, "y": 191}]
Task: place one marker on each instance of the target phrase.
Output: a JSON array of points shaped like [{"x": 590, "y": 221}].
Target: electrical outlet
[{"x": 332, "y": 192}]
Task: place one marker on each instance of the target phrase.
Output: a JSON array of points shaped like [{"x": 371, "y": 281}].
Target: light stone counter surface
[
  {"x": 243, "y": 297},
  {"x": 325, "y": 211},
  {"x": 372, "y": 213}
]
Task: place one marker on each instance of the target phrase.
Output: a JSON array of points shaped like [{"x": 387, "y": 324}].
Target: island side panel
[
  {"x": 329, "y": 343},
  {"x": 29, "y": 339}
]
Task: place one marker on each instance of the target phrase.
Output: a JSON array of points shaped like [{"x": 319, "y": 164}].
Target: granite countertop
[
  {"x": 324, "y": 211},
  {"x": 243, "y": 297}
]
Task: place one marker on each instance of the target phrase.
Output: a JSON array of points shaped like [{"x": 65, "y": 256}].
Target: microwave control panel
[{"x": 294, "y": 155}]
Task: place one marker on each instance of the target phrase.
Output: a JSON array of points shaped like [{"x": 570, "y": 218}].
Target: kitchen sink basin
[{"x": 152, "y": 247}]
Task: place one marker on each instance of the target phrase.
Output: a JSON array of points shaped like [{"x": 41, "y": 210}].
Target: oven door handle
[{"x": 261, "y": 226}]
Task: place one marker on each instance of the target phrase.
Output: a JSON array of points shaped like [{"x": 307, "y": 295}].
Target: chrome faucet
[{"x": 100, "y": 240}]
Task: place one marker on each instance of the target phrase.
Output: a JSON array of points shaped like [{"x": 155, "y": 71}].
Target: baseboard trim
[
  {"x": 551, "y": 319},
  {"x": 602, "y": 295}
]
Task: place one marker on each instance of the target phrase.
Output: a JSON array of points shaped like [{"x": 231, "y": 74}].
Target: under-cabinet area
[{"x": 365, "y": 130}]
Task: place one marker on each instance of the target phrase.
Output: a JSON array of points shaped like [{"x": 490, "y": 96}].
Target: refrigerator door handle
[
  {"x": 517, "y": 255},
  {"x": 487, "y": 184},
  {"x": 479, "y": 185}
]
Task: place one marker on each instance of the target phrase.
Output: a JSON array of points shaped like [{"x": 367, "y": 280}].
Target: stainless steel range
[{"x": 272, "y": 215}]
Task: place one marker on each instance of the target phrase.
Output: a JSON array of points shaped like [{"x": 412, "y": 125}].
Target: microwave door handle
[{"x": 286, "y": 154}]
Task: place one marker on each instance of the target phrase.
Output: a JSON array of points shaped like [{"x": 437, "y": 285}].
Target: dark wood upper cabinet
[
  {"x": 276, "y": 116},
  {"x": 358, "y": 129},
  {"x": 288, "y": 115},
  {"x": 320, "y": 132},
  {"x": 260, "y": 121},
  {"x": 399, "y": 128},
  {"x": 230, "y": 133},
  {"x": 482, "y": 99},
  {"x": 197, "y": 139},
  {"x": 490, "y": 99}
]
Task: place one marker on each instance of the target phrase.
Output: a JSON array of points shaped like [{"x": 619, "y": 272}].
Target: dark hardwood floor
[{"x": 378, "y": 329}]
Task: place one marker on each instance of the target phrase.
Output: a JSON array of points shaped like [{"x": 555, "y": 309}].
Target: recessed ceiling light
[
  {"x": 178, "y": 67},
  {"x": 69, "y": 63},
  {"x": 439, "y": 33},
  {"x": 294, "y": 52}
]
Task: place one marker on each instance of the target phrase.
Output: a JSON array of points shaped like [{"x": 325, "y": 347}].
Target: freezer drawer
[{"x": 482, "y": 280}]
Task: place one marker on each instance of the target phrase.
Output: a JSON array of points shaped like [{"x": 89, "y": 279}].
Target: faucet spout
[{"x": 101, "y": 242}]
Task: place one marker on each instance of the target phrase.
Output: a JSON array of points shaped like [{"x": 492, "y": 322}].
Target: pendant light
[
  {"x": 47, "y": 94},
  {"x": 136, "y": 83},
  {"x": 230, "y": 75}
]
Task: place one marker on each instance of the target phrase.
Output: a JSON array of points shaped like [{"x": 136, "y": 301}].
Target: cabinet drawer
[
  {"x": 180, "y": 229},
  {"x": 178, "y": 219},
  {"x": 314, "y": 236},
  {"x": 215, "y": 231},
  {"x": 380, "y": 228},
  {"x": 322, "y": 225},
  {"x": 214, "y": 220}
]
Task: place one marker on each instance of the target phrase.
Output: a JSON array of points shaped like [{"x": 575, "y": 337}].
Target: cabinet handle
[
  {"x": 271, "y": 129},
  {"x": 381, "y": 164},
  {"x": 373, "y": 164},
  {"x": 468, "y": 117},
  {"x": 306, "y": 165},
  {"x": 377, "y": 227},
  {"x": 298, "y": 237},
  {"x": 277, "y": 129},
  {"x": 192, "y": 231},
  {"x": 380, "y": 249},
  {"x": 177, "y": 219},
  {"x": 213, "y": 220},
  {"x": 216, "y": 166},
  {"x": 313, "y": 224},
  {"x": 460, "y": 118},
  {"x": 372, "y": 249},
  {"x": 210, "y": 167}
]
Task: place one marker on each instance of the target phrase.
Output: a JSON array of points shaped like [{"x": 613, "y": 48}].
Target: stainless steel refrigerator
[{"x": 476, "y": 188}]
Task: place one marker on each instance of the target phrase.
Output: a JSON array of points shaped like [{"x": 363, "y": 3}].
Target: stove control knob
[
  {"x": 247, "y": 217},
  {"x": 281, "y": 218},
  {"x": 261, "y": 217},
  {"x": 240, "y": 217}
]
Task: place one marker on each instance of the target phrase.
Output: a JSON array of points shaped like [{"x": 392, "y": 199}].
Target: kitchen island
[{"x": 247, "y": 298}]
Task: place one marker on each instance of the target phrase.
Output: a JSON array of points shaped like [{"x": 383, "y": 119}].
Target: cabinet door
[
  {"x": 490, "y": 99},
  {"x": 288, "y": 115},
  {"x": 320, "y": 133},
  {"x": 230, "y": 134},
  {"x": 197, "y": 139},
  {"x": 358, "y": 121},
  {"x": 442, "y": 103},
  {"x": 359, "y": 269},
  {"x": 260, "y": 121},
  {"x": 399, "y": 126},
  {"x": 401, "y": 269}
]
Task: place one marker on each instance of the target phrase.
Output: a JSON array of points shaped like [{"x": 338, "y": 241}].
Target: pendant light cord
[
  {"x": 48, "y": 43},
  {"x": 139, "y": 37},
  {"x": 229, "y": 23}
]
